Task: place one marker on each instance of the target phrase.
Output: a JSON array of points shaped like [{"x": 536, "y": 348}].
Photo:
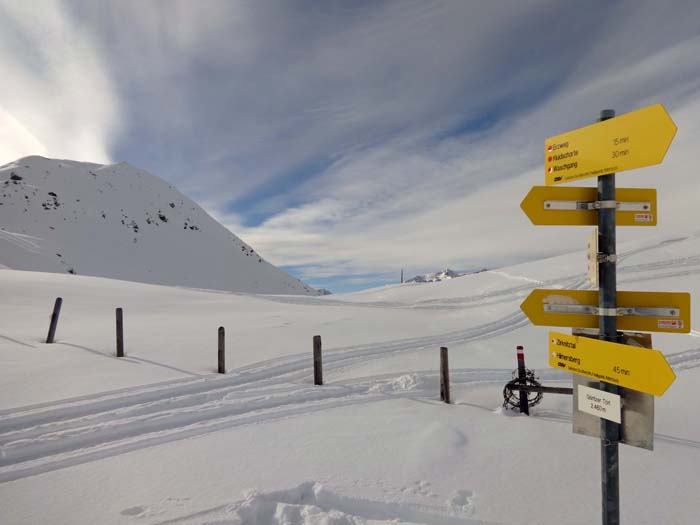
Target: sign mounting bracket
[
  {"x": 562, "y": 205},
  {"x": 638, "y": 311}
]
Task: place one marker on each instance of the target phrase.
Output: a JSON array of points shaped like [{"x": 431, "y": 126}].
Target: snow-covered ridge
[
  {"x": 121, "y": 222},
  {"x": 434, "y": 277}
]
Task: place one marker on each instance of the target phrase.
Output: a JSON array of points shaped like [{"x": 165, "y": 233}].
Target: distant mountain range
[
  {"x": 439, "y": 276},
  {"x": 121, "y": 222}
]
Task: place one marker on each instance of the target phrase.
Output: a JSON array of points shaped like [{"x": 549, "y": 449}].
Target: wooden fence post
[
  {"x": 444, "y": 376},
  {"x": 120, "y": 333},
  {"x": 222, "y": 350},
  {"x": 318, "y": 363},
  {"x": 54, "y": 319}
]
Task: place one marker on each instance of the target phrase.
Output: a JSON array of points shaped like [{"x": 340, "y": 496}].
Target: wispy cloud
[
  {"x": 455, "y": 203},
  {"x": 56, "y": 97},
  {"x": 266, "y": 92},
  {"x": 349, "y": 140}
]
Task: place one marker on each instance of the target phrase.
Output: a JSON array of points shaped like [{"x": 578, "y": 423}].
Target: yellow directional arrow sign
[
  {"x": 574, "y": 206},
  {"x": 630, "y": 141},
  {"x": 637, "y": 311},
  {"x": 623, "y": 365}
]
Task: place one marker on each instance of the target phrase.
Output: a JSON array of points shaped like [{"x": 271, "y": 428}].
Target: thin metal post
[
  {"x": 318, "y": 363},
  {"x": 607, "y": 298},
  {"x": 54, "y": 319},
  {"x": 120, "y": 333},
  {"x": 444, "y": 376},
  {"x": 222, "y": 350},
  {"x": 524, "y": 407},
  {"x": 544, "y": 389}
]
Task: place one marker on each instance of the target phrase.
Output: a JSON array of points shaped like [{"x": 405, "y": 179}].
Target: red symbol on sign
[{"x": 549, "y": 148}]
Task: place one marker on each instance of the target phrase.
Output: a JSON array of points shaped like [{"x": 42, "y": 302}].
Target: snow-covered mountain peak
[
  {"x": 434, "y": 277},
  {"x": 122, "y": 222}
]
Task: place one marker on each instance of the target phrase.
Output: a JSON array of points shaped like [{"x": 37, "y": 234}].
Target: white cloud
[
  {"x": 56, "y": 98},
  {"x": 457, "y": 203},
  {"x": 337, "y": 122},
  {"x": 16, "y": 140},
  {"x": 262, "y": 90}
]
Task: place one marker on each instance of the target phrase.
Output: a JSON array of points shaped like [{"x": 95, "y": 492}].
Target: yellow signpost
[
  {"x": 634, "y": 140},
  {"x": 635, "y": 311},
  {"x": 619, "y": 372},
  {"x": 574, "y": 206},
  {"x": 623, "y": 365}
]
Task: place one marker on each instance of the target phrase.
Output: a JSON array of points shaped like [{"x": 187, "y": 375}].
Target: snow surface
[
  {"x": 158, "y": 437},
  {"x": 121, "y": 222}
]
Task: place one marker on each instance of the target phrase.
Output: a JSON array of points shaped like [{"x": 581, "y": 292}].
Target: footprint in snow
[
  {"x": 150, "y": 511},
  {"x": 136, "y": 511},
  {"x": 462, "y": 501}
]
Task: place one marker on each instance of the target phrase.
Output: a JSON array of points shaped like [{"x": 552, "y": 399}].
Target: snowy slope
[
  {"x": 157, "y": 437},
  {"x": 120, "y": 222}
]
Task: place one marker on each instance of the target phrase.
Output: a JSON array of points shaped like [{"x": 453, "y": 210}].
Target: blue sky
[{"x": 347, "y": 140}]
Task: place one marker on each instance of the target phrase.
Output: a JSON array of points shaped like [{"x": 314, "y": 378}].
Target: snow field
[{"x": 157, "y": 437}]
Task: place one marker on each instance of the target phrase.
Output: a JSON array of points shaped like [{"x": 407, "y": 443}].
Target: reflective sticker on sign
[
  {"x": 671, "y": 323},
  {"x": 643, "y": 217}
]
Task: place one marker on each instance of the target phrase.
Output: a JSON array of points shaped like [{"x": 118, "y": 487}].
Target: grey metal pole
[
  {"x": 54, "y": 319},
  {"x": 522, "y": 375},
  {"x": 607, "y": 300},
  {"x": 120, "y": 332}
]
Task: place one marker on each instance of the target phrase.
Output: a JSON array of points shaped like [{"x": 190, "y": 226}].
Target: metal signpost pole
[
  {"x": 607, "y": 291},
  {"x": 612, "y": 145}
]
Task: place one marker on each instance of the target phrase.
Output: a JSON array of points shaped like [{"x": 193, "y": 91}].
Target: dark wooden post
[
  {"x": 54, "y": 319},
  {"x": 222, "y": 350},
  {"x": 522, "y": 375},
  {"x": 120, "y": 333},
  {"x": 444, "y": 376},
  {"x": 318, "y": 363}
]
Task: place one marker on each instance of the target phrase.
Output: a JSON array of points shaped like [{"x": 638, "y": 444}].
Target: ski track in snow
[
  {"x": 50, "y": 436},
  {"x": 450, "y": 303},
  {"x": 64, "y": 433},
  {"x": 629, "y": 273},
  {"x": 27, "y": 242}
]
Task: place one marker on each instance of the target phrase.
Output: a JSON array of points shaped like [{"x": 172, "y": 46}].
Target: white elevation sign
[{"x": 599, "y": 403}]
